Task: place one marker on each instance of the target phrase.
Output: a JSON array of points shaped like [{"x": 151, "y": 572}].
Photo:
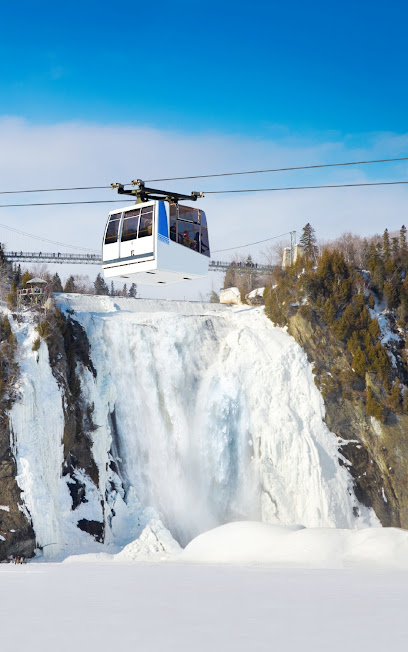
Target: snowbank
[
  {"x": 155, "y": 543},
  {"x": 296, "y": 546}
]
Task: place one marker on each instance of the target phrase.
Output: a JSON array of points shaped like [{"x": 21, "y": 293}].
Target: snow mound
[
  {"x": 155, "y": 543},
  {"x": 296, "y": 546},
  {"x": 258, "y": 292}
]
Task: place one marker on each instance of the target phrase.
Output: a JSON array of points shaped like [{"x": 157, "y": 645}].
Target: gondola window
[
  {"x": 146, "y": 222},
  {"x": 113, "y": 228},
  {"x": 130, "y": 225}
]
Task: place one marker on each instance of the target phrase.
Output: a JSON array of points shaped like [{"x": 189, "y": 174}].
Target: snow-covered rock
[{"x": 230, "y": 296}]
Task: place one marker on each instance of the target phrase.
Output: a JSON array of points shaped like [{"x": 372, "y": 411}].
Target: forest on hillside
[{"x": 345, "y": 288}]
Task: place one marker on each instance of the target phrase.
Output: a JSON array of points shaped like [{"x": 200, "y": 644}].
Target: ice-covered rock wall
[{"x": 202, "y": 415}]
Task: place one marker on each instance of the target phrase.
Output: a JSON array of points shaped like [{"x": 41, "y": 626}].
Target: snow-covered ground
[
  {"x": 195, "y": 608},
  {"x": 252, "y": 542}
]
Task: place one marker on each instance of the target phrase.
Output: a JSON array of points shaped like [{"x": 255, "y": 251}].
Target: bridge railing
[
  {"x": 56, "y": 257},
  {"x": 241, "y": 265},
  {"x": 95, "y": 259}
]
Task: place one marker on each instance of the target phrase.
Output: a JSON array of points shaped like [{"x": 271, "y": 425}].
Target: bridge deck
[{"x": 95, "y": 259}]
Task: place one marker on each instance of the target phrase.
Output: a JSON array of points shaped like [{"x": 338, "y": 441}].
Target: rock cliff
[{"x": 376, "y": 453}]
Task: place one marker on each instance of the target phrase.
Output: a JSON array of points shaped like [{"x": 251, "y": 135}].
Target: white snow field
[
  {"x": 211, "y": 413},
  {"x": 194, "y": 608}
]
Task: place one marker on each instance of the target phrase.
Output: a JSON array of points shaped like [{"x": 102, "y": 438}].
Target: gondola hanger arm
[{"x": 143, "y": 194}]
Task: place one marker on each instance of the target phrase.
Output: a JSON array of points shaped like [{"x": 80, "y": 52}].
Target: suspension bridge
[{"x": 95, "y": 259}]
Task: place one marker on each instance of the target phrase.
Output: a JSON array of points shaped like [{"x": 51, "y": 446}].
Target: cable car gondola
[{"x": 157, "y": 241}]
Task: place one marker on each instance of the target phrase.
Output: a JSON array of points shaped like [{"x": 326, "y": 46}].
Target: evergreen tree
[
  {"x": 112, "y": 290},
  {"x": 100, "y": 286},
  {"x": 394, "y": 248},
  {"x": 359, "y": 363},
  {"x": 309, "y": 242},
  {"x": 391, "y": 295},
  {"x": 3, "y": 263},
  {"x": 381, "y": 363},
  {"x": 386, "y": 245},
  {"x": 395, "y": 399},
  {"x": 56, "y": 285},
  {"x": 403, "y": 240},
  {"x": 5, "y": 328},
  {"x": 133, "y": 291},
  {"x": 25, "y": 278},
  {"x": 124, "y": 291},
  {"x": 329, "y": 311},
  {"x": 365, "y": 253},
  {"x": 249, "y": 262},
  {"x": 70, "y": 285},
  {"x": 374, "y": 407},
  {"x": 353, "y": 344},
  {"x": 374, "y": 329},
  {"x": 12, "y": 297},
  {"x": 371, "y": 302}
]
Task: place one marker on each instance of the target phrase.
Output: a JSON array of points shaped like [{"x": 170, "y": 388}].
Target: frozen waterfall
[{"x": 205, "y": 414}]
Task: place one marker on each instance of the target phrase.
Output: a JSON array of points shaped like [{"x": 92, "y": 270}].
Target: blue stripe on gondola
[{"x": 163, "y": 229}]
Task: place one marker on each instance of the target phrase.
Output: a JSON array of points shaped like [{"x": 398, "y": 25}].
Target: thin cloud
[{"x": 72, "y": 154}]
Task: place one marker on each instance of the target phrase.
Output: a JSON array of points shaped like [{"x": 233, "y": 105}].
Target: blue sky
[
  {"x": 260, "y": 68},
  {"x": 92, "y": 93}
]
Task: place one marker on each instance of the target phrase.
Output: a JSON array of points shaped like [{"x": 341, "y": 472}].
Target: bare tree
[
  {"x": 83, "y": 284},
  {"x": 273, "y": 253},
  {"x": 40, "y": 270}
]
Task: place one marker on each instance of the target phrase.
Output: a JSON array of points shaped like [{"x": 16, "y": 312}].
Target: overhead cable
[
  {"x": 69, "y": 203},
  {"x": 37, "y": 237},
  {"x": 208, "y": 176},
  {"x": 216, "y": 192},
  {"x": 300, "y": 167},
  {"x": 218, "y": 251},
  {"x": 20, "y": 192},
  {"x": 337, "y": 185}
]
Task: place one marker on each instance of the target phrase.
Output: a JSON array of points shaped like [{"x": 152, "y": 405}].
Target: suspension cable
[
  {"x": 216, "y": 192},
  {"x": 70, "y": 203},
  {"x": 20, "y": 192},
  {"x": 217, "y": 251},
  {"x": 208, "y": 176},
  {"x": 37, "y": 237},
  {"x": 300, "y": 167},
  {"x": 337, "y": 185}
]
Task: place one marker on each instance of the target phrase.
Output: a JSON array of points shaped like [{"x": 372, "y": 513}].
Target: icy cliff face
[{"x": 203, "y": 415}]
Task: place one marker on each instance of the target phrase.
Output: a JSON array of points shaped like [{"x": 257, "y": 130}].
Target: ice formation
[{"x": 210, "y": 414}]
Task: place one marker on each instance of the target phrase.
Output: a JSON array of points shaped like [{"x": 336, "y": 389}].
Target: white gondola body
[{"x": 161, "y": 253}]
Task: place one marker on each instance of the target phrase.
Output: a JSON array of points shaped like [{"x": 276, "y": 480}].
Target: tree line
[{"x": 346, "y": 299}]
